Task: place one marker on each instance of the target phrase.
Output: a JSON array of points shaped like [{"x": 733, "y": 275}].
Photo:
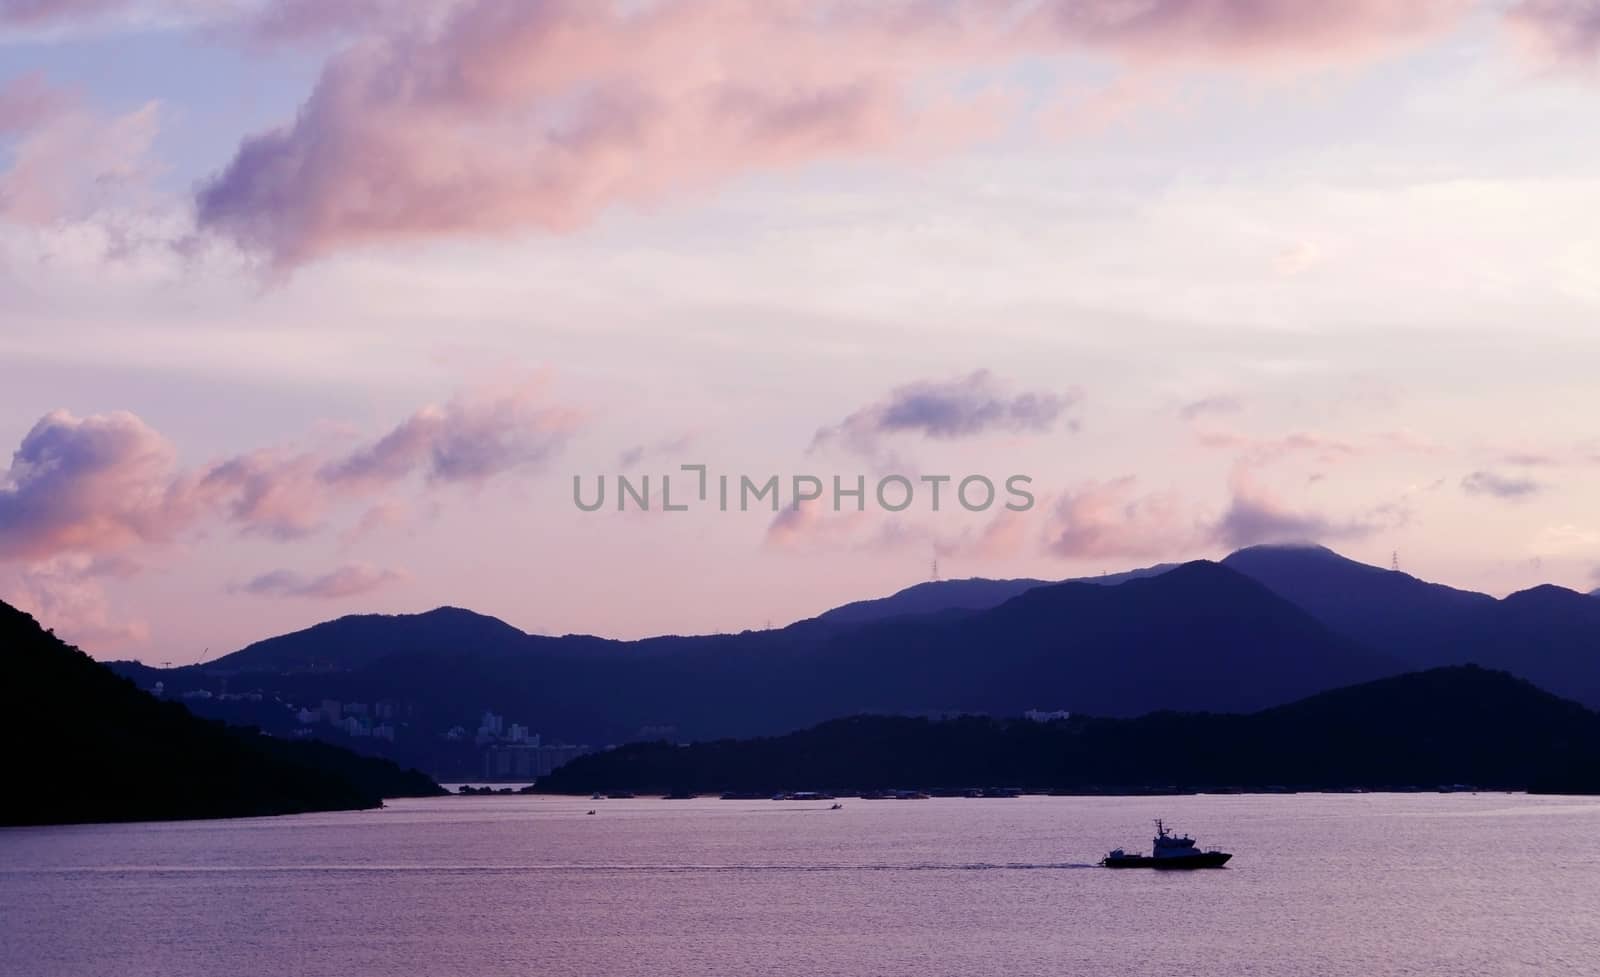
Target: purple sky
[{"x": 312, "y": 308}]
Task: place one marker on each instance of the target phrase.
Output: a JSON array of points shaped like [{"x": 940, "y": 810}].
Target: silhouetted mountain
[
  {"x": 1548, "y": 635},
  {"x": 1449, "y": 726},
  {"x": 1197, "y": 637},
  {"x": 87, "y": 745},
  {"x": 361, "y": 639},
  {"x": 1390, "y": 611},
  {"x": 972, "y": 594}
]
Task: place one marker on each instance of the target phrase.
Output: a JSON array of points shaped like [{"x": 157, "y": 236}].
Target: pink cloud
[
  {"x": 1098, "y": 520},
  {"x": 272, "y": 493},
  {"x": 814, "y": 527},
  {"x": 511, "y": 116},
  {"x": 28, "y": 102},
  {"x": 108, "y": 482},
  {"x": 294, "y": 20},
  {"x": 66, "y": 159},
  {"x": 1246, "y": 28},
  {"x": 65, "y": 595},
  {"x": 670, "y": 448},
  {"x": 29, "y": 13},
  {"x": 811, "y": 525},
  {"x": 1112, "y": 519},
  {"x": 254, "y": 21},
  {"x": 1216, "y": 404},
  {"x": 964, "y": 407},
  {"x": 92, "y": 484},
  {"x": 1257, "y": 515},
  {"x": 1324, "y": 449},
  {"x": 1565, "y": 31},
  {"x": 463, "y": 440},
  {"x": 351, "y": 580},
  {"x": 1006, "y": 535},
  {"x": 1513, "y": 488},
  {"x": 385, "y": 514}
]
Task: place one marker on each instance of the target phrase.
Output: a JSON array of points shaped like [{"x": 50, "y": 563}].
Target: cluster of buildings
[
  {"x": 527, "y": 761},
  {"x": 353, "y": 718},
  {"x": 159, "y": 690},
  {"x": 512, "y": 752},
  {"x": 509, "y": 750},
  {"x": 1046, "y": 716},
  {"x": 493, "y": 729}
]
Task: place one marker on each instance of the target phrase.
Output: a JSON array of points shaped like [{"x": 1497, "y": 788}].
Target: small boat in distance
[{"x": 1167, "y": 850}]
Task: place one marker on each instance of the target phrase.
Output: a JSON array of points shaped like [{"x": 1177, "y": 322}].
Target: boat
[{"x": 1168, "y": 851}]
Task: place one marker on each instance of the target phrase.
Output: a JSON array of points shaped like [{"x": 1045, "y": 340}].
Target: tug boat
[{"x": 1167, "y": 850}]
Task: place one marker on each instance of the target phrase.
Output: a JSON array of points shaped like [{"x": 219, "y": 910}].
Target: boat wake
[{"x": 556, "y": 868}]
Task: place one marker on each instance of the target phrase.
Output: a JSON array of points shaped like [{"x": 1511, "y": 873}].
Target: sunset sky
[{"x": 317, "y": 307}]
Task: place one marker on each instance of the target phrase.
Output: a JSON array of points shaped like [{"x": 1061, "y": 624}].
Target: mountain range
[
  {"x": 1265, "y": 626},
  {"x": 1548, "y": 635}
]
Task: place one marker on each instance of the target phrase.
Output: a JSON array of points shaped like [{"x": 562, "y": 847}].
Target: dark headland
[
  {"x": 1460, "y": 725},
  {"x": 86, "y": 745}
]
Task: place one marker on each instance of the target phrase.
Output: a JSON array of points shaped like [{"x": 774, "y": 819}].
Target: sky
[{"x": 320, "y": 307}]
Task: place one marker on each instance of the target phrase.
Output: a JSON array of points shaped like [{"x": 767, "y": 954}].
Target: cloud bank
[
  {"x": 1495, "y": 485},
  {"x": 64, "y": 158},
  {"x": 350, "y": 580},
  {"x": 970, "y": 406},
  {"x": 93, "y": 484},
  {"x": 1565, "y": 31},
  {"x": 1112, "y": 519},
  {"x": 505, "y": 116},
  {"x": 107, "y": 482}
]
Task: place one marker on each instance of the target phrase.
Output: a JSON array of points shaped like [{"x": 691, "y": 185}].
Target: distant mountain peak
[
  {"x": 1303, "y": 546},
  {"x": 451, "y": 611},
  {"x": 1197, "y": 568},
  {"x": 1544, "y": 593},
  {"x": 1304, "y": 554},
  {"x": 1393, "y": 612},
  {"x": 931, "y": 596},
  {"x": 356, "y": 640},
  {"x": 1196, "y": 571}
]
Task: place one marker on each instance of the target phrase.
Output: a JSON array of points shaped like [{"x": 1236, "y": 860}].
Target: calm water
[{"x": 1365, "y": 885}]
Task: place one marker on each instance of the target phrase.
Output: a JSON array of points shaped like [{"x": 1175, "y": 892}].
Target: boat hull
[{"x": 1210, "y": 859}]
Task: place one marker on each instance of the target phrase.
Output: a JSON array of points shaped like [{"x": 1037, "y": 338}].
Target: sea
[{"x": 1364, "y": 885}]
